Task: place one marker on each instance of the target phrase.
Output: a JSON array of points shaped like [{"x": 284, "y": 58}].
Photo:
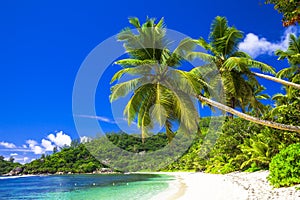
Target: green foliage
[
  {"x": 161, "y": 93},
  {"x": 224, "y": 157},
  {"x": 239, "y": 83},
  {"x": 191, "y": 160},
  {"x": 7, "y": 166},
  {"x": 292, "y": 54},
  {"x": 285, "y": 167},
  {"x": 290, "y": 10},
  {"x": 74, "y": 159},
  {"x": 134, "y": 143},
  {"x": 257, "y": 151}
]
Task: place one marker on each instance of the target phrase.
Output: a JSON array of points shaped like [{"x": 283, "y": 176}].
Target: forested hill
[{"x": 74, "y": 159}]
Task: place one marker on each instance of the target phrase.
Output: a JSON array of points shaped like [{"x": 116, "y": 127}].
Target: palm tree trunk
[
  {"x": 248, "y": 117},
  {"x": 278, "y": 80},
  {"x": 232, "y": 105}
]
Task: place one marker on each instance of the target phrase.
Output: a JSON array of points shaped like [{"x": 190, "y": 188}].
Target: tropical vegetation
[
  {"x": 290, "y": 10},
  {"x": 161, "y": 92},
  {"x": 73, "y": 159},
  {"x": 7, "y": 165},
  {"x": 285, "y": 167},
  {"x": 243, "y": 144}
]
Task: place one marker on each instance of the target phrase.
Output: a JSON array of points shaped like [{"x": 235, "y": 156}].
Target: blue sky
[{"x": 43, "y": 44}]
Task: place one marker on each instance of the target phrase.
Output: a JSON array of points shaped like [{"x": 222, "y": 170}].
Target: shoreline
[{"x": 234, "y": 186}]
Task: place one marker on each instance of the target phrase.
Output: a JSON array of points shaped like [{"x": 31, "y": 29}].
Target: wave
[{"x": 12, "y": 177}]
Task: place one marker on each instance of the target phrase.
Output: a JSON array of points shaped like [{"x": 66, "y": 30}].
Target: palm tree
[
  {"x": 249, "y": 117},
  {"x": 292, "y": 54},
  {"x": 292, "y": 73},
  {"x": 161, "y": 92},
  {"x": 255, "y": 106},
  {"x": 234, "y": 66},
  {"x": 277, "y": 80},
  {"x": 240, "y": 84}
]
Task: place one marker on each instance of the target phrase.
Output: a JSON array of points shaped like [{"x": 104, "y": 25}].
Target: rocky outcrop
[{"x": 15, "y": 172}]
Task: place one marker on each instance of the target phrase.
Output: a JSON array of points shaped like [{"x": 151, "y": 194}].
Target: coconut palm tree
[
  {"x": 240, "y": 84},
  {"x": 161, "y": 92},
  {"x": 278, "y": 80},
  {"x": 292, "y": 73},
  {"x": 234, "y": 66},
  {"x": 292, "y": 54},
  {"x": 255, "y": 106}
]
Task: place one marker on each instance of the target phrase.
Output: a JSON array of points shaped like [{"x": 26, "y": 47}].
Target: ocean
[{"x": 84, "y": 187}]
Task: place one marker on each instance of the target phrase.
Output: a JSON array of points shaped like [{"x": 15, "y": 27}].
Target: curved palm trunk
[
  {"x": 248, "y": 117},
  {"x": 278, "y": 80}
]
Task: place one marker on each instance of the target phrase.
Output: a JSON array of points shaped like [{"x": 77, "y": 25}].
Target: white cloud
[
  {"x": 85, "y": 139},
  {"x": 7, "y": 145},
  {"x": 31, "y": 143},
  {"x": 100, "y": 118},
  {"x": 126, "y": 120},
  {"x": 38, "y": 150},
  {"x": 47, "y": 145},
  {"x": 35, "y": 148},
  {"x": 25, "y": 159},
  {"x": 255, "y": 46},
  {"x": 22, "y": 160},
  {"x": 61, "y": 139},
  {"x": 16, "y": 150}
]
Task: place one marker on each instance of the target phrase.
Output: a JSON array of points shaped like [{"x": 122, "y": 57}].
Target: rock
[{"x": 15, "y": 172}]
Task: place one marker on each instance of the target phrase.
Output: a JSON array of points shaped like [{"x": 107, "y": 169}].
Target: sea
[{"x": 84, "y": 187}]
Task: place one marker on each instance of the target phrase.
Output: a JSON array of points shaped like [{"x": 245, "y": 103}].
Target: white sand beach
[{"x": 233, "y": 186}]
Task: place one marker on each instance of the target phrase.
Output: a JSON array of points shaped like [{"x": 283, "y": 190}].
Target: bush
[{"x": 285, "y": 167}]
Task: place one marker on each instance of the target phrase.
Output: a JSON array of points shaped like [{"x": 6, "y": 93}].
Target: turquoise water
[{"x": 85, "y": 187}]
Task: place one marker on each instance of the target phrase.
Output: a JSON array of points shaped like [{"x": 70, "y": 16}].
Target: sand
[{"x": 233, "y": 186}]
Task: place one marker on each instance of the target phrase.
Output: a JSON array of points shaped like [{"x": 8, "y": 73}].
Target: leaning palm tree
[
  {"x": 234, "y": 65},
  {"x": 292, "y": 73},
  {"x": 162, "y": 92},
  {"x": 240, "y": 84}
]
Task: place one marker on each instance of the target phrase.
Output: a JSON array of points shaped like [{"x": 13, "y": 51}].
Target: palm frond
[
  {"x": 218, "y": 28},
  {"x": 161, "y": 23},
  {"x": 139, "y": 71},
  {"x": 286, "y": 72},
  {"x": 203, "y": 56},
  {"x": 158, "y": 112},
  {"x": 238, "y": 62},
  {"x": 185, "y": 81},
  {"x": 122, "y": 89},
  {"x": 186, "y": 112},
  {"x": 135, "y": 22},
  {"x": 138, "y": 105},
  {"x": 185, "y": 46},
  {"x": 129, "y": 62},
  {"x": 241, "y": 54},
  {"x": 228, "y": 44},
  {"x": 202, "y": 43}
]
